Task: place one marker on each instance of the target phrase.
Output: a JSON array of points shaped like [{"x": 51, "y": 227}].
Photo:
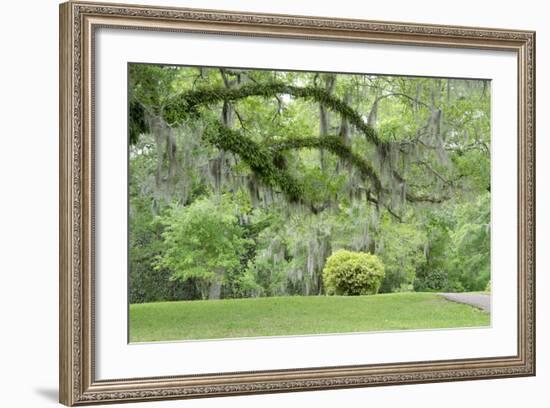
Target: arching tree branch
[
  {"x": 267, "y": 164},
  {"x": 257, "y": 157},
  {"x": 335, "y": 145},
  {"x": 425, "y": 199},
  {"x": 262, "y": 160},
  {"x": 188, "y": 102}
]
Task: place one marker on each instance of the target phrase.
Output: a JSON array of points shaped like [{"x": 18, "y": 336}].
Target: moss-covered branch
[
  {"x": 188, "y": 102},
  {"x": 335, "y": 145},
  {"x": 425, "y": 199},
  {"x": 266, "y": 163},
  {"x": 258, "y": 158}
]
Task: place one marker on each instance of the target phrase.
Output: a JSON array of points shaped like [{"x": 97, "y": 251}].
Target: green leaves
[
  {"x": 257, "y": 157},
  {"x": 333, "y": 144},
  {"x": 401, "y": 247},
  {"x": 471, "y": 255},
  {"x": 352, "y": 273},
  {"x": 459, "y": 247},
  {"x": 263, "y": 161},
  {"x": 202, "y": 241}
]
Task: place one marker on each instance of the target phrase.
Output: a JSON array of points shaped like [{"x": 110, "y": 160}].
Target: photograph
[{"x": 268, "y": 202}]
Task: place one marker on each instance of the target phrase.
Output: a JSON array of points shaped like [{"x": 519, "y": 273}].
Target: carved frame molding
[{"x": 78, "y": 20}]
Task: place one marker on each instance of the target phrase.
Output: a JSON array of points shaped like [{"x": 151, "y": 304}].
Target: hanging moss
[{"x": 269, "y": 164}]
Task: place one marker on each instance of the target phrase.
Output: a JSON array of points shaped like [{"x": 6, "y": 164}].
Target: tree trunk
[
  {"x": 218, "y": 164},
  {"x": 344, "y": 131},
  {"x": 215, "y": 289},
  {"x": 344, "y": 124},
  {"x": 171, "y": 153},
  {"x": 324, "y": 123}
]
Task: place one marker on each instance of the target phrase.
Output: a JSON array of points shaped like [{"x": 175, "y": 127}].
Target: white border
[{"x": 116, "y": 359}]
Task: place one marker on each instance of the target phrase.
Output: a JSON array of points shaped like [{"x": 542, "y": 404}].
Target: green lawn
[{"x": 279, "y": 316}]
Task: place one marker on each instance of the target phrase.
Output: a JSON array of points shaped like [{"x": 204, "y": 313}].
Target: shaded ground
[
  {"x": 292, "y": 315},
  {"x": 480, "y": 300}
]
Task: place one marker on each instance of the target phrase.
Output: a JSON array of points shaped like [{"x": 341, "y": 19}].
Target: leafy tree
[
  {"x": 149, "y": 284},
  {"x": 471, "y": 244},
  {"x": 202, "y": 241},
  {"x": 401, "y": 248},
  {"x": 435, "y": 273}
]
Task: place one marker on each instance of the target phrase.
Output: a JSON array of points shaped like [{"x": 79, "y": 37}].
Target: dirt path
[{"x": 480, "y": 300}]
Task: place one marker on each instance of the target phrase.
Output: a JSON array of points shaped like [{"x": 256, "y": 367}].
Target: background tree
[{"x": 201, "y": 242}]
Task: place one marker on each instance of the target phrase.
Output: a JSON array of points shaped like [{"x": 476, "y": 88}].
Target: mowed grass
[{"x": 292, "y": 315}]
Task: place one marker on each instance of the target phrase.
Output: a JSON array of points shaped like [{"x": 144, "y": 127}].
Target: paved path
[{"x": 479, "y": 300}]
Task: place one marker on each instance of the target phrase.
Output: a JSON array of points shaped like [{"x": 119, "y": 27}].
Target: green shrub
[
  {"x": 352, "y": 273},
  {"x": 431, "y": 280},
  {"x": 488, "y": 287}
]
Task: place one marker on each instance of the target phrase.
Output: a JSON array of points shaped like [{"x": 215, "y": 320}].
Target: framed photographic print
[{"x": 256, "y": 203}]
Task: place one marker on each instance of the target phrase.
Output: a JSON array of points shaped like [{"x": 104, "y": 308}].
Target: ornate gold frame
[{"x": 78, "y": 21}]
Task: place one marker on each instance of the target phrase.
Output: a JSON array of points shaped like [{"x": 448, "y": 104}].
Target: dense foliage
[
  {"x": 201, "y": 242},
  {"x": 352, "y": 273},
  {"x": 243, "y": 183}
]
